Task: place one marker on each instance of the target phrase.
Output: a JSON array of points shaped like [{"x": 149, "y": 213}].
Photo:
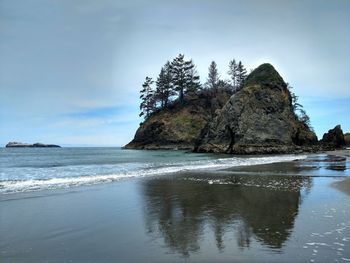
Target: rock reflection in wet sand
[{"x": 248, "y": 208}]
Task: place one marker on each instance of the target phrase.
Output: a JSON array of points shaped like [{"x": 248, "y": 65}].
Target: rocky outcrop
[
  {"x": 334, "y": 138},
  {"x": 179, "y": 125},
  {"x": 257, "y": 119},
  {"x": 35, "y": 145}
]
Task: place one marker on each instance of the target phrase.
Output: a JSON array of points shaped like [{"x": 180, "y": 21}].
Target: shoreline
[
  {"x": 278, "y": 168},
  {"x": 214, "y": 166},
  {"x": 268, "y": 212},
  {"x": 288, "y": 166},
  {"x": 340, "y": 152},
  {"x": 209, "y": 216},
  {"x": 245, "y": 150}
]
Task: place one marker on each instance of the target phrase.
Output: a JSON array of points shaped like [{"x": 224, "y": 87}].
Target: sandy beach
[
  {"x": 343, "y": 185},
  {"x": 286, "y": 211},
  {"x": 343, "y": 152}
]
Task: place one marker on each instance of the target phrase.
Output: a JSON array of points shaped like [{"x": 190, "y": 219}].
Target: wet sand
[
  {"x": 343, "y": 152},
  {"x": 282, "y": 212},
  {"x": 343, "y": 185}
]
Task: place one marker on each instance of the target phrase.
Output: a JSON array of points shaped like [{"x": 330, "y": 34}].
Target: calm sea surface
[{"x": 113, "y": 205}]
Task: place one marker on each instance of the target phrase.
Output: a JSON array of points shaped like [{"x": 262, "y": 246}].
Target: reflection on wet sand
[
  {"x": 337, "y": 163},
  {"x": 329, "y": 162},
  {"x": 261, "y": 208}
]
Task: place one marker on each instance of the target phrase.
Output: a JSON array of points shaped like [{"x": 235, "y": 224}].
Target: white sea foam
[{"x": 11, "y": 186}]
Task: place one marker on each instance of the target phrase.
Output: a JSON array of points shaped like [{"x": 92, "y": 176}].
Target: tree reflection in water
[{"x": 181, "y": 209}]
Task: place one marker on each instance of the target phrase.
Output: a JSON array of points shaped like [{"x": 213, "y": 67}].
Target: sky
[{"x": 71, "y": 71}]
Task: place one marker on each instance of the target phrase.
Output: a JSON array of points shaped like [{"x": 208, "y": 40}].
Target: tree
[
  {"x": 213, "y": 76},
  {"x": 304, "y": 118},
  {"x": 295, "y": 105},
  {"x": 298, "y": 110},
  {"x": 225, "y": 85},
  {"x": 232, "y": 72},
  {"x": 184, "y": 76},
  {"x": 147, "y": 97},
  {"x": 192, "y": 83},
  {"x": 241, "y": 75},
  {"x": 164, "y": 88}
]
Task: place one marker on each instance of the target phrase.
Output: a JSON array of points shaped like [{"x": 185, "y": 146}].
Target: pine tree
[
  {"x": 304, "y": 118},
  {"x": 294, "y": 103},
  {"x": 192, "y": 80},
  {"x": 232, "y": 72},
  {"x": 213, "y": 77},
  {"x": 184, "y": 76},
  {"x": 224, "y": 85},
  {"x": 147, "y": 97},
  {"x": 241, "y": 75},
  {"x": 164, "y": 89},
  {"x": 298, "y": 110}
]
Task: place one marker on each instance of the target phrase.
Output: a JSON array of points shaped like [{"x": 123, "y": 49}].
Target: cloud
[{"x": 80, "y": 64}]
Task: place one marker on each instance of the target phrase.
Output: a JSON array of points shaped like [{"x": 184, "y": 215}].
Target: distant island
[
  {"x": 34, "y": 145},
  {"x": 256, "y": 113}
]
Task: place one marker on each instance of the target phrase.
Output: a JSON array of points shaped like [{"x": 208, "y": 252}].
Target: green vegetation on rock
[
  {"x": 265, "y": 74},
  {"x": 257, "y": 114}
]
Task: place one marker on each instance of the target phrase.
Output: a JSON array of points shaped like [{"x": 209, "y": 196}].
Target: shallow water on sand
[{"x": 281, "y": 212}]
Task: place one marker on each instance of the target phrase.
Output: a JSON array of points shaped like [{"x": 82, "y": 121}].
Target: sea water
[{"x": 30, "y": 169}]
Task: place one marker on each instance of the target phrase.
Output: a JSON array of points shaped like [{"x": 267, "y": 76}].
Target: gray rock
[
  {"x": 334, "y": 138},
  {"x": 257, "y": 119},
  {"x": 178, "y": 126}
]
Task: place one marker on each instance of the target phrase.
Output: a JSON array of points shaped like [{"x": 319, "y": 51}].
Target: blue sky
[{"x": 70, "y": 71}]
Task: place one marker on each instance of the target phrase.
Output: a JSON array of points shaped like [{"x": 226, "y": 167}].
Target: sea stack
[
  {"x": 258, "y": 119},
  {"x": 334, "y": 138}
]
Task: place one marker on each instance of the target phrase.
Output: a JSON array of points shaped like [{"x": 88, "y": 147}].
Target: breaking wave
[{"x": 15, "y": 186}]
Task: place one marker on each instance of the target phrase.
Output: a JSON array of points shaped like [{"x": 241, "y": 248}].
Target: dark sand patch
[
  {"x": 343, "y": 185},
  {"x": 343, "y": 152},
  {"x": 272, "y": 168},
  {"x": 314, "y": 165}
]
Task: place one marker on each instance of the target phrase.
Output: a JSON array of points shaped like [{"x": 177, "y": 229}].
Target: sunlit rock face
[{"x": 257, "y": 119}]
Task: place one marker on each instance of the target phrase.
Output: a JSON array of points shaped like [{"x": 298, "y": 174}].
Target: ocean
[{"x": 32, "y": 169}]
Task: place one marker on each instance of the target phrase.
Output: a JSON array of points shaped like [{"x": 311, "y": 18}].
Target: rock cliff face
[
  {"x": 257, "y": 119},
  {"x": 334, "y": 138},
  {"x": 178, "y": 126}
]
